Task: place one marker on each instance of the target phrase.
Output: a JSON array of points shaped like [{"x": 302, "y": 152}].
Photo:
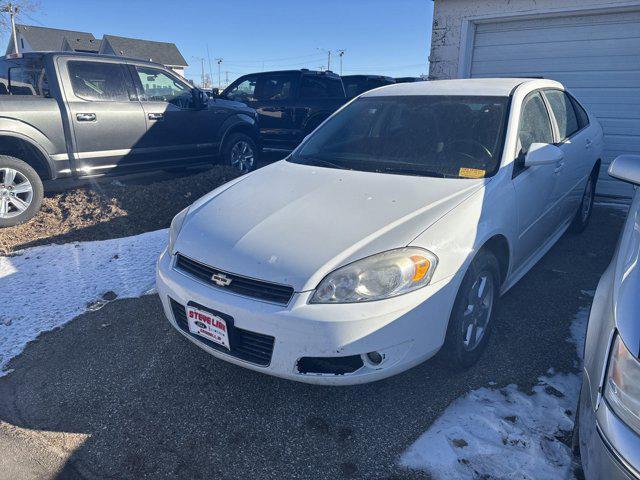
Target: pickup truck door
[
  {"x": 107, "y": 120},
  {"x": 176, "y": 131},
  {"x": 275, "y": 102}
]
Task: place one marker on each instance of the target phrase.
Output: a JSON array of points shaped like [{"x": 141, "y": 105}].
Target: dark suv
[
  {"x": 354, "y": 85},
  {"x": 70, "y": 114},
  {"x": 290, "y": 103}
]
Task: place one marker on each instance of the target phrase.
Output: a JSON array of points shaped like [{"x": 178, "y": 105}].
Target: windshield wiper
[
  {"x": 321, "y": 163},
  {"x": 413, "y": 171}
]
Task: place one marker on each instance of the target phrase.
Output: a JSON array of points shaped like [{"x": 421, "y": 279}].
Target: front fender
[{"x": 236, "y": 121}]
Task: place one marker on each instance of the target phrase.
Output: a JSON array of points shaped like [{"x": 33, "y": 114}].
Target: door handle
[
  {"x": 587, "y": 144},
  {"x": 86, "y": 117},
  {"x": 559, "y": 167},
  {"x": 156, "y": 116}
]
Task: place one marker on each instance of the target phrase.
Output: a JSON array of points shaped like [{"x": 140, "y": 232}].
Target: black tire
[
  {"x": 462, "y": 347},
  {"x": 240, "y": 152},
  {"x": 17, "y": 205},
  {"x": 583, "y": 215}
]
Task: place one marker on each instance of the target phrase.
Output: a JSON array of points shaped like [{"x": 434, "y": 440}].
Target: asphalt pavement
[{"x": 118, "y": 393}]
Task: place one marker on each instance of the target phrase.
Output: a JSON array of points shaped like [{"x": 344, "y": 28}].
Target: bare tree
[{"x": 24, "y": 10}]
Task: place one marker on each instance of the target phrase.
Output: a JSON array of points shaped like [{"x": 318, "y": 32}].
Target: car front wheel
[
  {"x": 240, "y": 152},
  {"x": 21, "y": 191},
  {"x": 473, "y": 311}
]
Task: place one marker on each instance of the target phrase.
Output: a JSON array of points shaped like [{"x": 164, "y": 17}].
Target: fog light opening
[{"x": 373, "y": 358}]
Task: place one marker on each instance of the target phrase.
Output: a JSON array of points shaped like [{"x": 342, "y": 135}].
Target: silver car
[{"x": 609, "y": 414}]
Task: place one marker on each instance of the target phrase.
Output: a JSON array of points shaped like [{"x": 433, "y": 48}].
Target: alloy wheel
[
  {"x": 242, "y": 156},
  {"x": 16, "y": 193},
  {"x": 477, "y": 314}
]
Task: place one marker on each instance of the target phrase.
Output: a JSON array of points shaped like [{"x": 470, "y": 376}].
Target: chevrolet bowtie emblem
[{"x": 220, "y": 279}]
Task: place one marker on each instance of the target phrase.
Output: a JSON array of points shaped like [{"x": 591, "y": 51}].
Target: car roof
[
  {"x": 85, "y": 55},
  {"x": 495, "y": 87}
]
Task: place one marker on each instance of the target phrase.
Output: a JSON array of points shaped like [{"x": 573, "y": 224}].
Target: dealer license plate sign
[{"x": 209, "y": 326}]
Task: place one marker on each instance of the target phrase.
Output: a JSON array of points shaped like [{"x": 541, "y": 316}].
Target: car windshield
[{"x": 444, "y": 136}]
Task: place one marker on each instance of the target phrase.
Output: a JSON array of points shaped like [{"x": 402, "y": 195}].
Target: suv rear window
[{"x": 23, "y": 76}]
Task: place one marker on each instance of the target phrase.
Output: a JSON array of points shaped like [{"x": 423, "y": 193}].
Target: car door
[
  {"x": 275, "y": 103},
  {"x": 534, "y": 186},
  {"x": 178, "y": 130},
  {"x": 575, "y": 143},
  {"x": 107, "y": 119}
]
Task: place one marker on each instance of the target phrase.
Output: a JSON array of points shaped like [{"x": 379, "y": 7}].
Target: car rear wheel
[
  {"x": 240, "y": 152},
  {"x": 21, "y": 191},
  {"x": 583, "y": 215},
  {"x": 472, "y": 316}
]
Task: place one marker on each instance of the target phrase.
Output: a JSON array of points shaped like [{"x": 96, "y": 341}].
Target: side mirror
[
  {"x": 626, "y": 168},
  {"x": 200, "y": 98},
  {"x": 542, "y": 154}
]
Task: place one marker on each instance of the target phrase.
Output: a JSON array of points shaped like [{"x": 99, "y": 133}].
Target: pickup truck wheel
[
  {"x": 21, "y": 192},
  {"x": 240, "y": 152}
]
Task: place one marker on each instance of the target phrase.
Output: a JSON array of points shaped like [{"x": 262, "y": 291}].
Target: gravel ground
[
  {"x": 118, "y": 394},
  {"x": 112, "y": 207}
]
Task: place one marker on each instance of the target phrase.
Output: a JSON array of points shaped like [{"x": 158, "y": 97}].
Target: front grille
[
  {"x": 245, "y": 345},
  {"x": 249, "y": 287}
]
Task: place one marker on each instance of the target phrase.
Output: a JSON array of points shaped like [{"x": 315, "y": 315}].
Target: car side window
[
  {"x": 535, "y": 126},
  {"x": 320, "y": 87},
  {"x": 583, "y": 117},
  {"x": 563, "y": 112},
  {"x": 245, "y": 91},
  {"x": 98, "y": 81},
  {"x": 276, "y": 87},
  {"x": 158, "y": 86}
]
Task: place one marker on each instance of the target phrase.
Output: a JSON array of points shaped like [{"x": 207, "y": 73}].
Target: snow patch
[
  {"x": 506, "y": 433},
  {"x": 42, "y": 288}
]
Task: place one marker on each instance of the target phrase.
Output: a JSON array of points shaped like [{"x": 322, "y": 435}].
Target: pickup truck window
[
  {"x": 245, "y": 91},
  {"x": 158, "y": 86},
  {"x": 277, "y": 87},
  {"x": 320, "y": 87},
  {"x": 98, "y": 81},
  {"x": 23, "y": 77}
]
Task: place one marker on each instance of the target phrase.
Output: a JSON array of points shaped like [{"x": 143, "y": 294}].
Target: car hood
[
  {"x": 627, "y": 281},
  {"x": 292, "y": 224}
]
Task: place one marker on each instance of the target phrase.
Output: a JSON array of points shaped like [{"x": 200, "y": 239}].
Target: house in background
[
  {"x": 592, "y": 47},
  {"x": 31, "y": 38},
  {"x": 160, "y": 52}
]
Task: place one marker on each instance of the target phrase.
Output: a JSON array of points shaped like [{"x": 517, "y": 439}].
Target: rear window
[
  {"x": 23, "y": 76},
  {"x": 563, "y": 112}
]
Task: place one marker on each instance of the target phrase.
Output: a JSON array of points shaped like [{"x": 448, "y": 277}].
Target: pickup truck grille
[
  {"x": 245, "y": 345},
  {"x": 249, "y": 287}
]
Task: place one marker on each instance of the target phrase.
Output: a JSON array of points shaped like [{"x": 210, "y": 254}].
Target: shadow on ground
[{"x": 155, "y": 406}]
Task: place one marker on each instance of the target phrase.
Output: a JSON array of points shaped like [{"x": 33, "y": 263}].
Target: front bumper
[
  {"x": 406, "y": 330},
  {"x": 608, "y": 448}
]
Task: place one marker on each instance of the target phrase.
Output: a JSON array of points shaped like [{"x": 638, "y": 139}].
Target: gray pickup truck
[{"x": 70, "y": 114}]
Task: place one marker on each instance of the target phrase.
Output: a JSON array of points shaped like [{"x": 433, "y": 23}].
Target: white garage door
[{"x": 596, "y": 56}]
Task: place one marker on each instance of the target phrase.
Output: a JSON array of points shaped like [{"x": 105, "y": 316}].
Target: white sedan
[{"x": 388, "y": 234}]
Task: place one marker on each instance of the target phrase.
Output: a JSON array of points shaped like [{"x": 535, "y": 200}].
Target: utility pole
[
  {"x": 226, "y": 78},
  {"x": 328, "y": 57},
  {"x": 219, "y": 61},
  {"x": 202, "y": 71},
  {"x": 341, "y": 54},
  {"x": 210, "y": 71},
  {"x": 12, "y": 11}
]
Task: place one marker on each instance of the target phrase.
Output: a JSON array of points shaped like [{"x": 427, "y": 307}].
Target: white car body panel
[{"x": 293, "y": 224}]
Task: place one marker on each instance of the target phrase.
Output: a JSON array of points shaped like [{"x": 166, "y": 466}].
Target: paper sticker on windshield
[{"x": 471, "y": 173}]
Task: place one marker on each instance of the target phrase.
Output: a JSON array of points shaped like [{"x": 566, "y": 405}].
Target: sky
[{"x": 379, "y": 36}]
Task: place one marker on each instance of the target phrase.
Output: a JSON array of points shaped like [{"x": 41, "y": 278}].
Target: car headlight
[
  {"x": 176, "y": 226},
  {"x": 622, "y": 388},
  {"x": 380, "y": 276}
]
